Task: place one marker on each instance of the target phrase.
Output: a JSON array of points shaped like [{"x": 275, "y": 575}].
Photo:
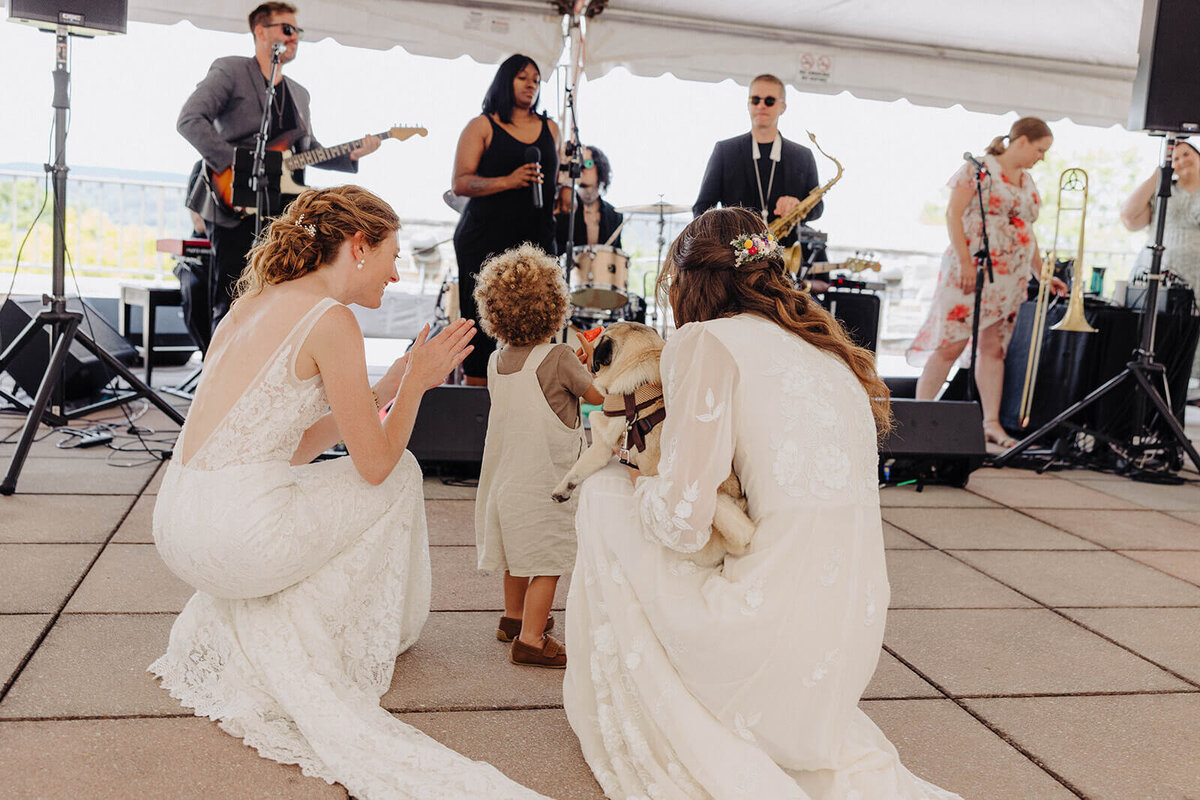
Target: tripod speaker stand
[
  {"x": 62, "y": 325},
  {"x": 1146, "y": 373}
]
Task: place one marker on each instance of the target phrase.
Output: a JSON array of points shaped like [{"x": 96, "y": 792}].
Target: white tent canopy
[{"x": 1050, "y": 58}]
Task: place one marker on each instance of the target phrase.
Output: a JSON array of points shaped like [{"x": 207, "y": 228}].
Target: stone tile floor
[{"x": 1043, "y": 643}]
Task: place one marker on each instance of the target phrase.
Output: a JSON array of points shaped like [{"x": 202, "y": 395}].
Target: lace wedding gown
[
  {"x": 741, "y": 681},
  {"x": 310, "y": 583}
]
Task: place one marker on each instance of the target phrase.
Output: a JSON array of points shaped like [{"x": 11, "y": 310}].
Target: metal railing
[{"x": 111, "y": 226}]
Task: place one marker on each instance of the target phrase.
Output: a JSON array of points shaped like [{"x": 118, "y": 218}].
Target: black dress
[{"x": 496, "y": 222}]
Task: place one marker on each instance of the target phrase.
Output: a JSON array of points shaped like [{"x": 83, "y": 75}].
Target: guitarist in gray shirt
[{"x": 224, "y": 113}]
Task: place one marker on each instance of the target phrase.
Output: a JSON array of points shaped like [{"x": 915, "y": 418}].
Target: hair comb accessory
[
  {"x": 754, "y": 247},
  {"x": 312, "y": 229}
]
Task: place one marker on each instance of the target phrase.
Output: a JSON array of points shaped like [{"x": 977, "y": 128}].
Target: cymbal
[{"x": 661, "y": 207}]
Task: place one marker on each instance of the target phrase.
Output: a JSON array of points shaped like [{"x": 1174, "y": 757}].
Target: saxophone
[{"x": 782, "y": 226}]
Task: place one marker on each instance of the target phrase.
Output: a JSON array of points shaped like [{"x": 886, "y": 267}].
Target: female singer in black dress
[{"x": 491, "y": 168}]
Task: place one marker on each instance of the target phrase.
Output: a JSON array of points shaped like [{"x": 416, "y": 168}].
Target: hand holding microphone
[{"x": 534, "y": 156}]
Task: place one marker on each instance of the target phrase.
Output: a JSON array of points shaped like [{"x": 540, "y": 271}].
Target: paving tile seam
[
  {"x": 472, "y": 709},
  {"x": 138, "y": 493},
  {"x": 996, "y": 730},
  {"x": 1032, "y": 695},
  {"x": 1067, "y": 549},
  {"x": 57, "y": 614},
  {"x": 120, "y": 613},
  {"x": 101, "y": 717}
]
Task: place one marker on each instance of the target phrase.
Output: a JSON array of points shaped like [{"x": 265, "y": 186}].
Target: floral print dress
[{"x": 1012, "y": 209}]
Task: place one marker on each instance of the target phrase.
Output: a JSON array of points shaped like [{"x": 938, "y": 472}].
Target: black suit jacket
[
  {"x": 224, "y": 112},
  {"x": 729, "y": 178}
]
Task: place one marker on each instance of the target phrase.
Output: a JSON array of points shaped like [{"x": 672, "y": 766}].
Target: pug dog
[{"x": 626, "y": 363}]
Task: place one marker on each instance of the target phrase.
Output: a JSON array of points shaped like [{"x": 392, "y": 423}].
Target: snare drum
[{"x": 599, "y": 277}]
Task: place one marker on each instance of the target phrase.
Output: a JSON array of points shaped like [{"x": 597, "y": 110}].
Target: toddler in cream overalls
[{"x": 534, "y": 436}]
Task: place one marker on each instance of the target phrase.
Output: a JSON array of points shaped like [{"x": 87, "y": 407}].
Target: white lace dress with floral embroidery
[
  {"x": 740, "y": 681},
  {"x": 311, "y": 582}
]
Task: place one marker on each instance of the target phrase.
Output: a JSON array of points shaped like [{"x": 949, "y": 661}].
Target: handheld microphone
[
  {"x": 532, "y": 156},
  {"x": 278, "y": 49},
  {"x": 975, "y": 161}
]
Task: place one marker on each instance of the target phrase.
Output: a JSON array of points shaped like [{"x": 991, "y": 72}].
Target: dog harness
[{"x": 643, "y": 410}]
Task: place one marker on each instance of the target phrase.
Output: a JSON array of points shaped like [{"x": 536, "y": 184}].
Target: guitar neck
[{"x": 309, "y": 157}]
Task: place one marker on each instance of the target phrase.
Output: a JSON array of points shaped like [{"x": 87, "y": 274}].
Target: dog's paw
[{"x": 562, "y": 492}]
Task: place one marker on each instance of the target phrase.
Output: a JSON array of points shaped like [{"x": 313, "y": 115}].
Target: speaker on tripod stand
[{"x": 82, "y": 18}]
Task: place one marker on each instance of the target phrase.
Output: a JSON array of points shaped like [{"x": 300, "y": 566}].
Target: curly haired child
[{"x": 534, "y": 435}]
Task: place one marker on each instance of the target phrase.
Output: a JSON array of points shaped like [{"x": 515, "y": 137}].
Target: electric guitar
[
  {"x": 236, "y": 177},
  {"x": 793, "y": 260}
]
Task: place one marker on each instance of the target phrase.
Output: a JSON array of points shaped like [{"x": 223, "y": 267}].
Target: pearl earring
[{"x": 362, "y": 262}]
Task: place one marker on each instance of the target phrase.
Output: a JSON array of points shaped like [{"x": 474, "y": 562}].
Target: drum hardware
[
  {"x": 1073, "y": 180},
  {"x": 658, "y": 209}
]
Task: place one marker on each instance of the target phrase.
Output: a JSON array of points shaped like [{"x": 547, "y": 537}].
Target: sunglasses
[
  {"x": 288, "y": 28},
  {"x": 766, "y": 101}
]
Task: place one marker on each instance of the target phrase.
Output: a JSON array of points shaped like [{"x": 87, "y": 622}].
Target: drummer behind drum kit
[{"x": 599, "y": 279}]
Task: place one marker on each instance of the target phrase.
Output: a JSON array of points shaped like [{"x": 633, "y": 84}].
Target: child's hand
[{"x": 584, "y": 353}]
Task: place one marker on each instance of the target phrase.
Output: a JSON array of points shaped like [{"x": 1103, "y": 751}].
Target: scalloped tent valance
[{"x": 1066, "y": 58}]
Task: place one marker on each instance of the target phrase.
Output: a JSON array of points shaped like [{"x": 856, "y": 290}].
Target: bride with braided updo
[{"x": 311, "y": 577}]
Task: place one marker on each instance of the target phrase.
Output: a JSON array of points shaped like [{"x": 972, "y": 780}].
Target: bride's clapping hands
[{"x": 430, "y": 360}]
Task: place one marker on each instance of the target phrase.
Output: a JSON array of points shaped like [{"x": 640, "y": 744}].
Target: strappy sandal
[
  {"x": 994, "y": 433},
  {"x": 510, "y": 628}
]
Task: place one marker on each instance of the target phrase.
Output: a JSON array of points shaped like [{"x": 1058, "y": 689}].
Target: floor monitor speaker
[
  {"x": 932, "y": 441},
  {"x": 451, "y": 426},
  {"x": 86, "y": 375}
]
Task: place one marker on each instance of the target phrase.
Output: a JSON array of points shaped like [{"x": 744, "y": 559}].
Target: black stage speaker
[
  {"x": 858, "y": 312},
  {"x": 86, "y": 375},
  {"x": 932, "y": 441},
  {"x": 451, "y": 426},
  {"x": 173, "y": 345},
  {"x": 82, "y": 17},
  {"x": 1073, "y": 364},
  {"x": 1166, "y": 92}
]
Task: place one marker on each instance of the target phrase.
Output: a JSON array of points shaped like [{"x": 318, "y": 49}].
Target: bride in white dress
[
  {"x": 311, "y": 577},
  {"x": 743, "y": 680}
]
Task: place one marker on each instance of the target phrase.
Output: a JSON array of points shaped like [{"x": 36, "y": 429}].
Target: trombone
[{"x": 1072, "y": 182}]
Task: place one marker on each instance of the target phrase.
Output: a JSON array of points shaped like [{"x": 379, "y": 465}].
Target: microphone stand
[
  {"x": 983, "y": 261},
  {"x": 258, "y": 169},
  {"x": 575, "y": 170}
]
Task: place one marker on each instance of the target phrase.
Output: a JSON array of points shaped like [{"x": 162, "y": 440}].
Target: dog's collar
[{"x": 643, "y": 410}]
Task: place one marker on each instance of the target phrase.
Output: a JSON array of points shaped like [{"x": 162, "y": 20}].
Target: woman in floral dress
[{"x": 1012, "y": 203}]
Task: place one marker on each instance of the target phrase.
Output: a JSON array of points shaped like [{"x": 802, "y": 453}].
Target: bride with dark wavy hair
[{"x": 743, "y": 679}]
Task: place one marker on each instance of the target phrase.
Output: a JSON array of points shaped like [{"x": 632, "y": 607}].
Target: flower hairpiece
[
  {"x": 312, "y": 229},
  {"x": 754, "y": 247}
]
